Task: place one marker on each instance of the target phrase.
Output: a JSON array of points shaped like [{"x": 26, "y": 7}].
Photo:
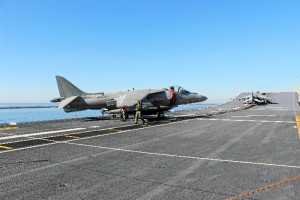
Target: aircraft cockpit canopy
[{"x": 180, "y": 90}]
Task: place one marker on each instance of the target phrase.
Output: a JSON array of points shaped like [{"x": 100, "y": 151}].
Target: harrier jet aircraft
[
  {"x": 154, "y": 101},
  {"x": 256, "y": 99}
]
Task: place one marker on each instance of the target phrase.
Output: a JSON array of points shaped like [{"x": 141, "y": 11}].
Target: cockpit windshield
[{"x": 180, "y": 90}]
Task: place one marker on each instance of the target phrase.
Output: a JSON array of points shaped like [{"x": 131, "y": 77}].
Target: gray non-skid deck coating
[{"x": 213, "y": 157}]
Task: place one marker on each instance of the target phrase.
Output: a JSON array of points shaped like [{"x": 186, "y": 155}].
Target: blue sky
[{"x": 217, "y": 48}]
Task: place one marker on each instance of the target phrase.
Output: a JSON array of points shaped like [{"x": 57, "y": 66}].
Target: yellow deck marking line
[
  {"x": 265, "y": 188},
  {"x": 8, "y": 128},
  {"x": 6, "y": 147},
  {"x": 72, "y": 136},
  {"x": 297, "y": 118},
  {"x": 298, "y": 125}
]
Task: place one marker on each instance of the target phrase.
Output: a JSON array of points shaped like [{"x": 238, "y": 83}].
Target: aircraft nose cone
[{"x": 202, "y": 98}]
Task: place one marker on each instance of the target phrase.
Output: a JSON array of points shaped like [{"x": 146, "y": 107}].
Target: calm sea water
[{"x": 45, "y": 114}]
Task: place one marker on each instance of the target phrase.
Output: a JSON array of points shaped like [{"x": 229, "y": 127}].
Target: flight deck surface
[{"x": 233, "y": 151}]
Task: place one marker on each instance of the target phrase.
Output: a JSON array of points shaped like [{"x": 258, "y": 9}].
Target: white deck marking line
[
  {"x": 95, "y": 127},
  {"x": 29, "y": 147},
  {"x": 41, "y": 133},
  {"x": 34, "y": 138},
  {"x": 188, "y": 115},
  {"x": 255, "y": 116},
  {"x": 248, "y": 120},
  {"x": 49, "y": 132},
  {"x": 187, "y": 157},
  {"x": 280, "y": 109},
  {"x": 258, "y": 109}
]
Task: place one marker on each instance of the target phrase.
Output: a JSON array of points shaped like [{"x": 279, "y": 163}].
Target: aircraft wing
[
  {"x": 130, "y": 98},
  {"x": 257, "y": 100},
  {"x": 248, "y": 101},
  {"x": 67, "y": 101}
]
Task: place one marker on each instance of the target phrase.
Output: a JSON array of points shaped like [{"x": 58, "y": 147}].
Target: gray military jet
[
  {"x": 257, "y": 99},
  {"x": 156, "y": 102}
]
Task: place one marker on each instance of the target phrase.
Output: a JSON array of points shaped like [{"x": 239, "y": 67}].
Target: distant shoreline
[
  {"x": 22, "y": 107},
  {"x": 36, "y": 107}
]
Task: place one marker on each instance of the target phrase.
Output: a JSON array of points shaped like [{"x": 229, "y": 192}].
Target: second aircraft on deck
[
  {"x": 257, "y": 99},
  {"x": 154, "y": 101}
]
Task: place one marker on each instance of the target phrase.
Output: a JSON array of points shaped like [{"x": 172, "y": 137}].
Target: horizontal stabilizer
[{"x": 67, "y": 101}]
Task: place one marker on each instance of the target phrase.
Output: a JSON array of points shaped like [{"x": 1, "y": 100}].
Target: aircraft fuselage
[{"x": 73, "y": 99}]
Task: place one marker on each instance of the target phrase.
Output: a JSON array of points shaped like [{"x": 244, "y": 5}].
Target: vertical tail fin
[{"x": 66, "y": 88}]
